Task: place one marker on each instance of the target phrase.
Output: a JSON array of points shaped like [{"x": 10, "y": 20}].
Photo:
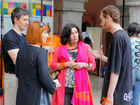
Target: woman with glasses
[
  {"x": 73, "y": 59},
  {"x": 32, "y": 68}
]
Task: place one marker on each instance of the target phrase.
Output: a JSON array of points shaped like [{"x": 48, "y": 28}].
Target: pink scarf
[{"x": 82, "y": 89}]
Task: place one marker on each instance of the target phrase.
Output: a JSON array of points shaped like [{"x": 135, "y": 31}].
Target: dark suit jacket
[{"x": 32, "y": 71}]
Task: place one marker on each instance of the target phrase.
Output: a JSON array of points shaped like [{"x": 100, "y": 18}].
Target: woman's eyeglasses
[{"x": 42, "y": 24}]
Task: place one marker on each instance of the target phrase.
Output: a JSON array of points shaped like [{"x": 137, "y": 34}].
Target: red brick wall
[{"x": 93, "y": 8}]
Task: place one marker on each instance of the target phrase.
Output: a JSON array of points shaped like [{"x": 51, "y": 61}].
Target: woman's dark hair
[
  {"x": 133, "y": 29},
  {"x": 66, "y": 32}
]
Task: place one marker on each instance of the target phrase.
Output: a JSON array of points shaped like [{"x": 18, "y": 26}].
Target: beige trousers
[{"x": 10, "y": 86}]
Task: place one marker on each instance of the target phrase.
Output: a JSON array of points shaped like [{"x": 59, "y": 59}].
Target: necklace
[{"x": 71, "y": 49}]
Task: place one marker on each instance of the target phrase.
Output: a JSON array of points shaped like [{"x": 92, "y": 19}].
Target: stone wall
[
  {"x": 67, "y": 11},
  {"x": 134, "y": 10}
]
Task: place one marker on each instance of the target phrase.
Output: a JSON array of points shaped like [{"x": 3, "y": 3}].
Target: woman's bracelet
[
  {"x": 62, "y": 65},
  {"x": 88, "y": 66}
]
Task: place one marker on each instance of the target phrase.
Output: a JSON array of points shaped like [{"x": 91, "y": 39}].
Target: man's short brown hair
[
  {"x": 113, "y": 12},
  {"x": 34, "y": 32},
  {"x": 18, "y": 12}
]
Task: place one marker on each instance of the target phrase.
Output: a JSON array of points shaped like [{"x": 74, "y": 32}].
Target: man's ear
[
  {"x": 109, "y": 17},
  {"x": 15, "y": 19}
]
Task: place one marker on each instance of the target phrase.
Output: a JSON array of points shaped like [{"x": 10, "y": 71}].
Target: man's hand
[
  {"x": 81, "y": 65},
  {"x": 97, "y": 53}
]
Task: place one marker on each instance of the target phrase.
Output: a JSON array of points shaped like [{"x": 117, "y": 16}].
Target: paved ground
[{"x": 96, "y": 83}]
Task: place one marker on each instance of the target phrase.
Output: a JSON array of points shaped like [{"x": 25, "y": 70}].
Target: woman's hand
[
  {"x": 56, "y": 87},
  {"x": 71, "y": 64},
  {"x": 57, "y": 83},
  {"x": 81, "y": 65}
]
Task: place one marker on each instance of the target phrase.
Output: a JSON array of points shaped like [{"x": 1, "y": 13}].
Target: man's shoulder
[
  {"x": 9, "y": 34},
  {"x": 40, "y": 51},
  {"x": 121, "y": 35}
]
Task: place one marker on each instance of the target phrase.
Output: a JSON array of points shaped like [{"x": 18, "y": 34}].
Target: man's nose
[
  {"x": 27, "y": 22},
  {"x": 75, "y": 34}
]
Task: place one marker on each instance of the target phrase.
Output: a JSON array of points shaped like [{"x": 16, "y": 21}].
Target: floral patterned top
[
  {"x": 135, "y": 45},
  {"x": 69, "y": 77}
]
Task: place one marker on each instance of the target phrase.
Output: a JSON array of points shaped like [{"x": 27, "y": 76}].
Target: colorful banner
[
  {"x": 0, "y": 7},
  {"x": 36, "y": 10},
  {"x": 9, "y": 6}
]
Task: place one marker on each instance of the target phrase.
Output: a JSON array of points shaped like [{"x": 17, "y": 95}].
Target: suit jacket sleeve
[{"x": 44, "y": 77}]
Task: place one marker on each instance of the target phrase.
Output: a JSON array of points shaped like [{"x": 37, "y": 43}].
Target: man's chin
[
  {"x": 23, "y": 29},
  {"x": 106, "y": 29}
]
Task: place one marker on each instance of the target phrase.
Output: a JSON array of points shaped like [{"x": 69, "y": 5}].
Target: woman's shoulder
[
  {"x": 61, "y": 47},
  {"x": 84, "y": 44},
  {"x": 37, "y": 50},
  {"x": 42, "y": 50}
]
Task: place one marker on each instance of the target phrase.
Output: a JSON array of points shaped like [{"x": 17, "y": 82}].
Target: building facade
[{"x": 60, "y": 12}]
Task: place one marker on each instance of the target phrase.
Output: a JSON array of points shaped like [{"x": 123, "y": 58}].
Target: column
[
  {"x": 134, "y": 10},
  {"x": 67, "y": 11}
]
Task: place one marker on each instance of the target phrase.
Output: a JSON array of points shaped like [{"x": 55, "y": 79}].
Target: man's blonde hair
[{"x": 113, "y": 12}]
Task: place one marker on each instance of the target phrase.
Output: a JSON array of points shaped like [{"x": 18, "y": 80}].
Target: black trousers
[{"x": 68, "y": 96}]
